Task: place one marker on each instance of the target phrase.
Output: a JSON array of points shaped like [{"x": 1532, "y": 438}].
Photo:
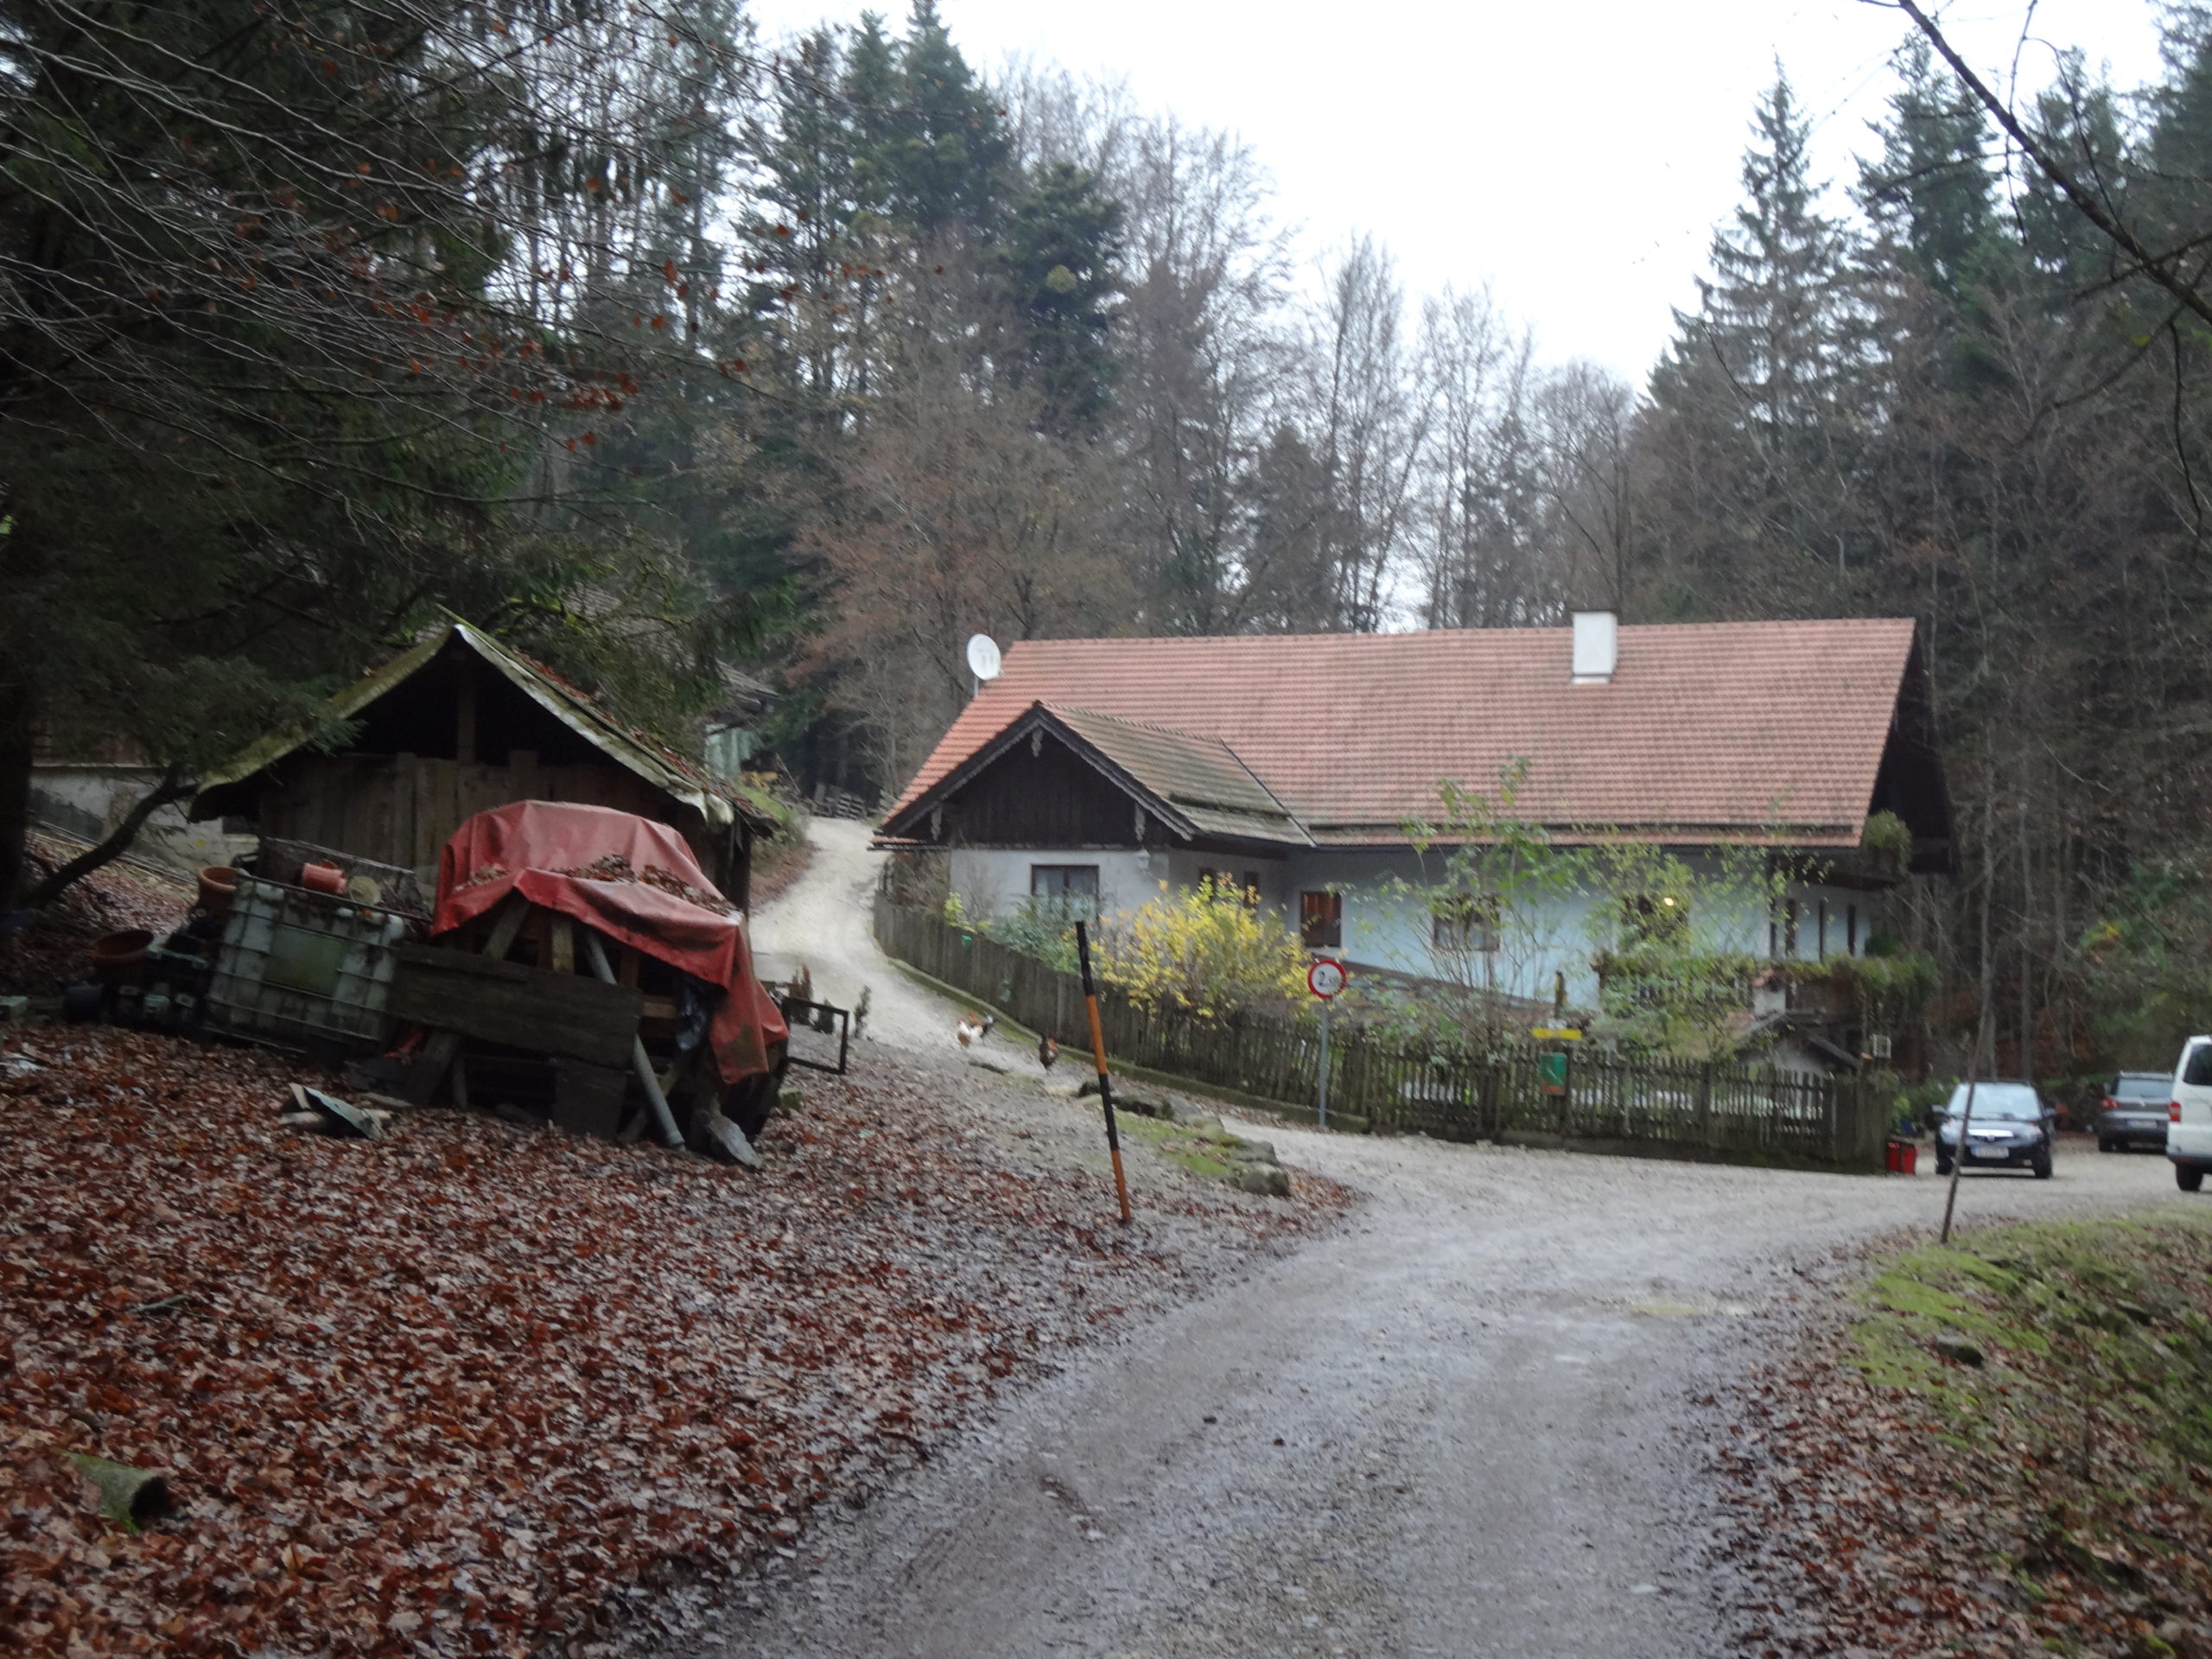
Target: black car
[
  {"x": 2134, "y": 1112},
  {"x": 2009, "y": 1129}
]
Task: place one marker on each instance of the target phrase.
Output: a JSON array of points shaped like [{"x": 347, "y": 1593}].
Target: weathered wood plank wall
[{"x": 401, "y": 809}]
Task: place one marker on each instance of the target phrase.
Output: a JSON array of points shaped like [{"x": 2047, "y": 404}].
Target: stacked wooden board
[{"x": 532, "y": 1006}]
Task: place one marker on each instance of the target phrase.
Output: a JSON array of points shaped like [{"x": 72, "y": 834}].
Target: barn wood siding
[
  {"x": 403, "y": 809},
  {"x": 1053, "y": 798}
]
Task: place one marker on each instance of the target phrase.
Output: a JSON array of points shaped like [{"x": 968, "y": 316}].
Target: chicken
[
  {"x": 973, "y": 1028},
  {"x": 1048, "y": 1050}
]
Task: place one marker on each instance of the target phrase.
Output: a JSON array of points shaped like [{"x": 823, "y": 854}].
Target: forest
[{"x": 657, "y": 346}]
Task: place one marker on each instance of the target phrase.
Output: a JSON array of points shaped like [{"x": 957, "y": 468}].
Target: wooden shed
[{"x": 461, "y": 723}]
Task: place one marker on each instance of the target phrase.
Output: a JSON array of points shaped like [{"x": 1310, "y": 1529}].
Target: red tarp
[{"x": 535, "y": 847}]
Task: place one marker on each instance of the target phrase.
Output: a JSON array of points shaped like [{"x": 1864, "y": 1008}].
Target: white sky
[{"x": 1575, "y": 154}]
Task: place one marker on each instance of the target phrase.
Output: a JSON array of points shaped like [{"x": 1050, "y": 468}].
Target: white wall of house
[
  {"x": 991, "y": 881},
  {"x": 1389, "y": 926}
]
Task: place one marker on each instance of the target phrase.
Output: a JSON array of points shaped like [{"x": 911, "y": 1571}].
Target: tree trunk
[
  {"x": 173, "y": 786},
  {"x": 16, "y": 754}
]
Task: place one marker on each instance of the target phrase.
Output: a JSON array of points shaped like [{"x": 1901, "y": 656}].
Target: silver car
[{"x": 2009, "y": 1129}]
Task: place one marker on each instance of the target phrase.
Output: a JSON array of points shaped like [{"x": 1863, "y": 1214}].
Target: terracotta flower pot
[
  {"x": 322, "y": 878},
  {"x": 218, "y": 885},
  {"x": 120, "y": 958}
]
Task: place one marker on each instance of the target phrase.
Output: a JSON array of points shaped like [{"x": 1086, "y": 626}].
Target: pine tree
[
  {"x": 2077, "y": 120},
  {"x": 1777, "y": 316},
  {"x": 1060, "y": 250},
  {"x": 943, "y": 151},
  {"x": 1934, "y": 190},
  {"x": 1759, "y": 396},
  {"x": 291, "y": 303}
]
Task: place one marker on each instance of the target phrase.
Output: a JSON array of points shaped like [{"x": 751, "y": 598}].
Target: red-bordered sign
[{"x": 1326, "y": 977}]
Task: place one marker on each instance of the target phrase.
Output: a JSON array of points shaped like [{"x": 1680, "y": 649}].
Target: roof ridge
[
  {"x": 1744, "y": 624},
  {"x": 1140, "y": 725}
]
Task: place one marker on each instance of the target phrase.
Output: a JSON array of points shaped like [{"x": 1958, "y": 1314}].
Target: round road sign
[{"x": 1326, "y": 977}]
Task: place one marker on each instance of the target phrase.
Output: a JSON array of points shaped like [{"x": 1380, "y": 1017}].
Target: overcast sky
[{"x": 1575, "y": 154}]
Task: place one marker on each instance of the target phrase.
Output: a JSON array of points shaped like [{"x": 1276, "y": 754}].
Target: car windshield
[
  {"x": 2015, "y": 1100},
  {"x": 2144, "y": 1088}
]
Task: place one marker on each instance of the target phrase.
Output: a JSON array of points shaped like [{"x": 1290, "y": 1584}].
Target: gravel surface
[
  {"x": 1460, "y": 1424},
  {"x": 822, "y": 922}
]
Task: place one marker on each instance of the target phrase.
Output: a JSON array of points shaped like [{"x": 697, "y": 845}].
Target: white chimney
[{"x": 1597, "y": 646}]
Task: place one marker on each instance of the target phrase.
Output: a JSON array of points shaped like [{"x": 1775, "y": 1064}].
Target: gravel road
[
  {"x": 821, "y": 922},
  {"x": 1462, "y": 1424}
]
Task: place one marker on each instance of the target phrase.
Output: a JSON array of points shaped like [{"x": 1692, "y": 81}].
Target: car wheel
[
  {"x": 2105, "y": 1146},
  {"x": 1942, "y": 1166},
  {"x": 2189, "y": 1177},
  {"x": 2042, "y": 1168}
]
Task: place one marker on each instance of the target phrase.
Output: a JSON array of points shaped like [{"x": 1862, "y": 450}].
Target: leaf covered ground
[
  {"x": 451, "y": 1391},
  {"x": 56, "y": 947},
  {"x": 2008, "y": 1451}
]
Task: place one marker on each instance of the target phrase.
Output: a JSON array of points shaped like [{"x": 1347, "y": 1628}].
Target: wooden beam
[
  {"x": 441, "y": 1053},
  {"x": 521, "y": 1008},
  {"x": 563, "y": 954},
  {"x": 513, "y": 913}
]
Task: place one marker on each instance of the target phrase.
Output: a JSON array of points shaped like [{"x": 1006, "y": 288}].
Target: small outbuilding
[{"x": 460, "y": 724}]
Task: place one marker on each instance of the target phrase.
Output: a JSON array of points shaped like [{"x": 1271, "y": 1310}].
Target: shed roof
[
  {"x": 715, "y": 800},
  {"x": 1201, "y": 776},
  {"x": 1706, "y": 732}
]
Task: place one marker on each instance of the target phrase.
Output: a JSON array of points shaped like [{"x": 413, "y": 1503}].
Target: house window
[
  {"x": 1070, "y": 889},
  {"x": 1462, "y": 924},
  {"x": 1654, "y": 918},
  {"x": 1226, "y": 882},
  {"x": 1321, "y": 921}
]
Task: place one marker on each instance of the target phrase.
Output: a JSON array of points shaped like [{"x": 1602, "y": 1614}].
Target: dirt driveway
[{"x": 1462, "y": 1425}]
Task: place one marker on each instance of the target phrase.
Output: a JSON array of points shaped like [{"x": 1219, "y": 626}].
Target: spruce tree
[
  {"x": 1777, "y": 316},
  {"x": 1934, "y": 191},
  {"x": 2075, "y": 119},
  {"x": 1761, "y": 392},
  {"x": 942, "y": 148},
  {"x": 1060, "y": 248}
]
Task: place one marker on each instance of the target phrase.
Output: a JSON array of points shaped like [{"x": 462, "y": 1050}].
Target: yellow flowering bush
[{"x": 1203, "y": 950}]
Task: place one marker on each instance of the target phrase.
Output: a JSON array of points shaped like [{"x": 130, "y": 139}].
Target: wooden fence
[{"x": 1681, "y": 1109}]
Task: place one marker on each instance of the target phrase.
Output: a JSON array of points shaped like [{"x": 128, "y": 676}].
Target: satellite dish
[{"x": 983, "y": 656}]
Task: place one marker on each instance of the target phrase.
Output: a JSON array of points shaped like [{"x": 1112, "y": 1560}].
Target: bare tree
[{"x": 953, "y": 515}]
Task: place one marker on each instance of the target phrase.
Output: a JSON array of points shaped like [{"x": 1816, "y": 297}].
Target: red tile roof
[{"x": 1707, "y": 731}]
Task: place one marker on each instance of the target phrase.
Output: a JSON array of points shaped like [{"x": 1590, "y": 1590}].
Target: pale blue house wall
[{"x": 1388, "y": 931}]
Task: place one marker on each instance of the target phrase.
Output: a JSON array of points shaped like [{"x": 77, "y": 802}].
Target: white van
[{"x": 2189, "y": 1115}]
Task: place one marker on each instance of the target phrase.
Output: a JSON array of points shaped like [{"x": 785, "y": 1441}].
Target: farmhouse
[
  {"x": 457, "y": 725},
  {"x": 1297, "y": 768}
]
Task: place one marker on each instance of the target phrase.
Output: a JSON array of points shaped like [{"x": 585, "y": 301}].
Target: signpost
[
  {"x": 1551, "y": 1069},
  {"x": 1105, "y": 1082},
  {"x": 1325, "y": 978}
]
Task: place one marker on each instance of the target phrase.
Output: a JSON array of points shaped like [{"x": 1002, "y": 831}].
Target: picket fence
[{"x": 1725, "y": 1113}]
